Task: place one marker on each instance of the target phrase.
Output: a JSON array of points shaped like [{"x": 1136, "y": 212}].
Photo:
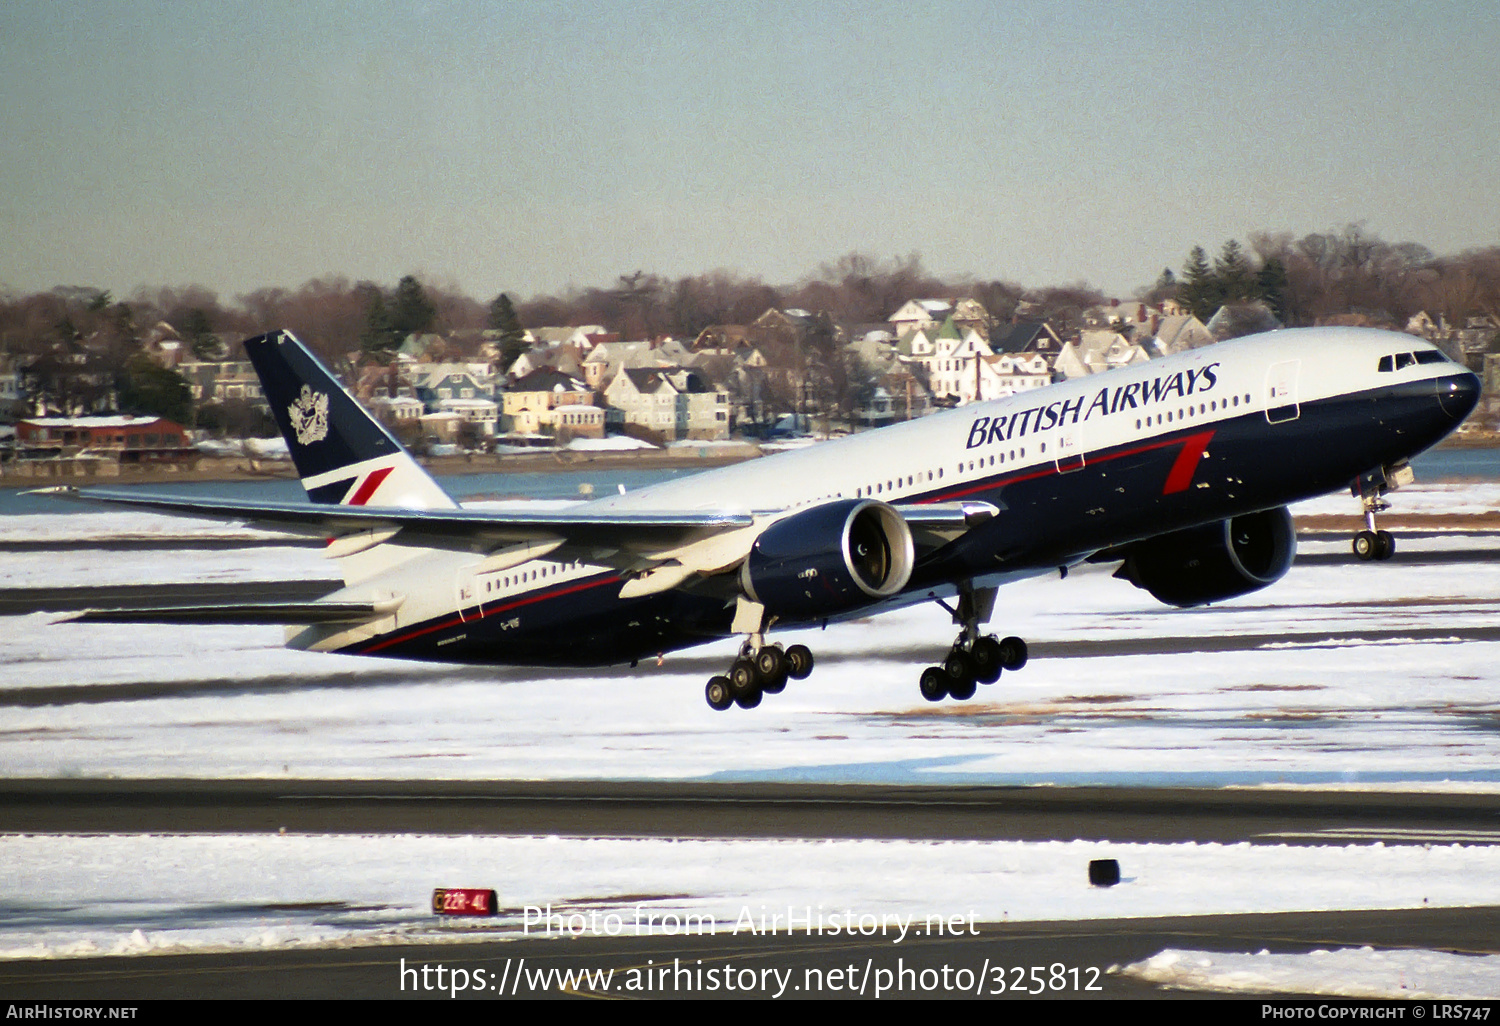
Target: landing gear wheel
[
  {"x": 748, "y": 701},
  {"x": 986, "y": 656},
  {"x": 1366, "y": 544},
  {"x": 771, "y": 668},
  {"x": 1385, "y": 545},
  {"x": 963, "y": 690},
  {"x": 1013, "y": 653},
  {"x": 719, "y": 694},
  {"x": 799, "y": 660},
  {"x": 959, "y": 667},
  {"x": 934, "y": 684},
  {"x": 743, "y": 679}
]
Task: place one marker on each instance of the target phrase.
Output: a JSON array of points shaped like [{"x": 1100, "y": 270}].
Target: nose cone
[{"x": 1458, "y": 394}]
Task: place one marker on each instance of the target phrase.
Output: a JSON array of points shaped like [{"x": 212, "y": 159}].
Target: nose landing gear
[{"x": 1370, "y": 489}]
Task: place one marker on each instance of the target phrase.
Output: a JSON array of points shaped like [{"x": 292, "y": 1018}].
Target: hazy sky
[{"x": 525, "y": 146}]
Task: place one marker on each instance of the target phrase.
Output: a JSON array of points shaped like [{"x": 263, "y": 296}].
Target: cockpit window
[{"x": 1400, "y": 360}]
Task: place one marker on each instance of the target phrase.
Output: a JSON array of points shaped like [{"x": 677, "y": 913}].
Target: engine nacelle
[
  {"x": 829, "y": 559},
  {"x": 1215, "y": 561}
]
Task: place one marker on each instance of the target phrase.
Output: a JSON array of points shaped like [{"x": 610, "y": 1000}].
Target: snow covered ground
[
  {"x": 1361, "y": 973},
  {"x": 1311, "y": 702},
  {"x": 141, "y": 894}
]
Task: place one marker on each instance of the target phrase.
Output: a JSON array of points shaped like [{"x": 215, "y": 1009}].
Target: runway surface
[{"x": 694, "y": 809}]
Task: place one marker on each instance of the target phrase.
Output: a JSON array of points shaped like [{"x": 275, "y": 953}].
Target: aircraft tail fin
[{"x": 343, "y": 455}]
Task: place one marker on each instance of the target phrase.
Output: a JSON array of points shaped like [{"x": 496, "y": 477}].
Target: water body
[{"x": 1440, "y": 464}]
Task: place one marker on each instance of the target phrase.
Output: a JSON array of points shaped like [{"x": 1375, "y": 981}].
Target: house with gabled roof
[
  {"x": 1133, "y": 314},
  {"x": 564, "y": 356},
  {"x": 1097, "y": 351},
  {"x": 1180, "y": 332},
  {"x": 668, "y": 403},
  {"x": 606, "y": 359},
  {"x": 953, "y": 365},
  {"x": 918, "y": 314},
  {"x": 575, "y": 335},
  {"x": 1028, "y": 336},
  {"x": 533, "y": 404},
  {"x": 1009, "y": 373},
  {"x": 436, "y": 382},
  {"x": 959, "y": 366},
  {"x": 732, "y": 337},
  {"x": 222, "y": 381}
]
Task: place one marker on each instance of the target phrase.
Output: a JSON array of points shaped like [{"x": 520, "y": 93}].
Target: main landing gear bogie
[
  {"x": 968, "y": 665},
  {"x": 973, "y": 659},
  {"x": 759, "y": 671}
]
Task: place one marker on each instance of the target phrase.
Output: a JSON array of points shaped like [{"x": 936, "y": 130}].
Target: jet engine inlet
[{"x": 829, "y": 559}]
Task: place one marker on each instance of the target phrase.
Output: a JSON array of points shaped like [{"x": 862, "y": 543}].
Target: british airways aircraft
[{"x": 1180, "y": 468}]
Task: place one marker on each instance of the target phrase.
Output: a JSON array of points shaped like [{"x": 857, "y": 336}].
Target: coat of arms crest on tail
[{"x": 309, "y": 414}]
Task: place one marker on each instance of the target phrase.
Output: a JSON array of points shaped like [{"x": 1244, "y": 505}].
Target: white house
[{"x": 670, "y": 403}]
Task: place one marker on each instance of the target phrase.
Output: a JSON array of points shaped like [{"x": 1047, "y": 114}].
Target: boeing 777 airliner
[{"x": 1180, "y": 468}]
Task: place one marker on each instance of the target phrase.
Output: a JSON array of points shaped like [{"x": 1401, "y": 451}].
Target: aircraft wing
[
  {"x": 484, "y": 530},
  {"x": 658, "y": 550},
  {"x": 475, "y": 530}
]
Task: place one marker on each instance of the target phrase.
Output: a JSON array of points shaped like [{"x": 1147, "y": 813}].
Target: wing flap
[{"x": 243, "y": 613}]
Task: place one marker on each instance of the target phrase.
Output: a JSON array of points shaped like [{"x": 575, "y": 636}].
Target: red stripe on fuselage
[
  {"x": 1092, "y": 459},
  {"x": 368, "y": 485},
  {"x": 456, "y": 619}
]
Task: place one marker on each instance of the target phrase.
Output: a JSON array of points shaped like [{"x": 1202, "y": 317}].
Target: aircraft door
[
  {"x": 1070, "y": 448},
  {"x": 463, "y": 592},
  {"x": 1281, "y": 392}
]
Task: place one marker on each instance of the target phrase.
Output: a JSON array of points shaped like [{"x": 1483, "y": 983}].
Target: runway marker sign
[{"x": 463, "y": 901}]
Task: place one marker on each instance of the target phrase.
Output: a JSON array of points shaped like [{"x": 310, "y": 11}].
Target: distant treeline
[{"x": 1318, "y": 278}]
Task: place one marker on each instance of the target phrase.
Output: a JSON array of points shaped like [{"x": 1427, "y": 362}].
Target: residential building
[
  {"x": 436, "y": 382},
  {"x": 531, "y": 405},
  {"x": 669, "y": 404},
  {"x": 222, "y": 381},
  {"x": 129, "y": 439},
  {"x": 922, "y": 314}
]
